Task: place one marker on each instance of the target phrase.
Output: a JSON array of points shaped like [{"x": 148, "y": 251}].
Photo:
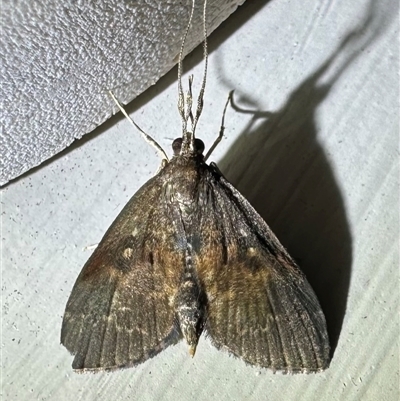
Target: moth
[{"x": 188, "y": 254}]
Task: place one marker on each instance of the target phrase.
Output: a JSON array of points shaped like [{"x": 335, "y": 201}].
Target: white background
[{"x": 314, "y": 147}]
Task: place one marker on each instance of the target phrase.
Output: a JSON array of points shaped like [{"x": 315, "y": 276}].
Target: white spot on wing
[{"x": 128, "y": 252}]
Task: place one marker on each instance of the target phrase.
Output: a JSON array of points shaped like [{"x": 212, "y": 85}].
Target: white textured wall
[
  {"x": 59, "y": 57},
  {"x": 317, "y": 157}
]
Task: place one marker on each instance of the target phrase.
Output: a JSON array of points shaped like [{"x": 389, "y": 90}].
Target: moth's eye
[
  {"x": 176, "y": 146},
  {"x": 199, "y": 144}
]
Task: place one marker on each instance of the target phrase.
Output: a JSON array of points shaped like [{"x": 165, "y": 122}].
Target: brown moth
[{"x": 188, "y": 254}]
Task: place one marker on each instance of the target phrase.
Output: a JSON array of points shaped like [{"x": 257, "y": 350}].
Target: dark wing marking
[
  {"x": 260, "y": 306},
  {"x": 121, "y": 309}
]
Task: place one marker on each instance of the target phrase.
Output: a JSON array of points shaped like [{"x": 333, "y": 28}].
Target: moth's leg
[
  {"x": 146, "y": 137},
  {"x": 222, "y": 129},
  {"x": 163, "y": 164}
]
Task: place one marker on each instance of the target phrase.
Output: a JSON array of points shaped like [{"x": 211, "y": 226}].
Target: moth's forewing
[
  {"x": 260, "y": 306},
  {"x": 121, "y": 310}
]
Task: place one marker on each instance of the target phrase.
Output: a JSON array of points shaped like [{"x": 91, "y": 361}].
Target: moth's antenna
[
  {"x": 146, "y": 137},
  {"x": 181, "y": 98},
  {"x": 203, "y": 84}
]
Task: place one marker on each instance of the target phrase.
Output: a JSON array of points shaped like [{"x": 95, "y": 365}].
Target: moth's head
[{"x": 187, "y": 145}]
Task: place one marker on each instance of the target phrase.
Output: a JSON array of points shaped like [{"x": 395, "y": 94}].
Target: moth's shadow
[{"x": 282, "y": 169}]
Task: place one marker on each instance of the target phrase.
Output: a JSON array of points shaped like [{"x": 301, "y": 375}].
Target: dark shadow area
[{"x": 282, "y": 169}]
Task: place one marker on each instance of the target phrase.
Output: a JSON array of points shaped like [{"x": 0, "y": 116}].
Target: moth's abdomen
[{"x": 190, "y": 306}]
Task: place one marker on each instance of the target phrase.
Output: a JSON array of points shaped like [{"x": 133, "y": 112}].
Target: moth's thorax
[{"x": 182, "y": 186}]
